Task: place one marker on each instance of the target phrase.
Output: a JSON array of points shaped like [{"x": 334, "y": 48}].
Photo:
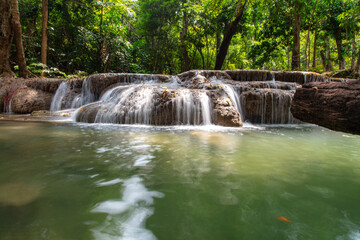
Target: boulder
[
  {"x": 335, "y": 105},
  {"x": 27, "y": 100},
  {"x": 99, "y": 82},
  {"x": 3, "y": 93}
]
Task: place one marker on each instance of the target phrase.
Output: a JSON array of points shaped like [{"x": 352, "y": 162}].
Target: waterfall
[
  {"x": 76, "y": 103},
  {"x": 178, "y": 101},
  {"x": 184, "y": 105},
  {"x": 205, "y": 108},
  {"x": 234, "y": 97},
  {"x": 270, "y": 107},
  {"x": 126, "y": 105},
  {"x": 192, "y": 109},
  {"x": 304, "y": 74},
  {"x": 59, "y": 96},
  {"x": 87, "y": 95},
  {"x": 8, "y": 109},
  {"x": 272, "y": 76}
]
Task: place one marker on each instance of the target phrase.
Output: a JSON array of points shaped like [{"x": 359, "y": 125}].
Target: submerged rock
[
  {"x": 334, "y": 105},
  {"x": 18, "y": 193}
]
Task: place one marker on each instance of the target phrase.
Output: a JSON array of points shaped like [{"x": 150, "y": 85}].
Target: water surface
[{"x": 81, "y": 181}]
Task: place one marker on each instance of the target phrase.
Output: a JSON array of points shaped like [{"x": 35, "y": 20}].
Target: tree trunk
[
  {"x": 16, "y": 26},
  {"x": 5, "y": 39},
  {"x": 230, "y": 32},
  {"x": 326, "y": 57},
  {"x": 307, "y": 56},
  {"x": 184, "y": 51},
  {"x": 44, "y": 31},
  {"x": 339, "y": 46},
  {"x": 357, "y": 67},
  {"x": 314, "y": 53},
  {"x": 295, "y": 62},
  {"x": 353, "y": 55}
]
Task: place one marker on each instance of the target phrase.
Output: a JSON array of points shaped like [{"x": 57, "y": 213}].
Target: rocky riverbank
[
  {"x": 225, "y": 98},
  {"x": 334, "y": 105}
]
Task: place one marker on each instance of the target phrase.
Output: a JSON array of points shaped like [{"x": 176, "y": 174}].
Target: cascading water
[
  {"x": 234, "y": 97},
  {"x": 194, "y": 98},
  {"x": 268, "y": 107},
  {"x": 59, "y": 96},
  {"x": 87, "y": 95},
  {"x": 192, "y": 108},
  {"x": 205, "y": 108},
  {"x": 149, "y": 104},
  {"x": 10, "y": 103}
]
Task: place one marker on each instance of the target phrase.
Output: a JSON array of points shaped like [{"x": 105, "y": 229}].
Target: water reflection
[
  {"x": 127, "y": 217},
  {"x": 121, "y": 182}
]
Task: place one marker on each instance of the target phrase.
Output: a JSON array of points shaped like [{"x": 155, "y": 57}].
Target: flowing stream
[{"x": 104, "y": 181}]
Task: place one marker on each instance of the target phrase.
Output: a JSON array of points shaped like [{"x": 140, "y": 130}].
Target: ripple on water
[{"x": 108, "y": 183}]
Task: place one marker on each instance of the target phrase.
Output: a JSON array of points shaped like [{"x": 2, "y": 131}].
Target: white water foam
[
  {"x": 205, "y": 108},
  {"x": 127, "y": 217},
  {"x": 143, "y": 160},
  {"x": 108, "y": 183}
]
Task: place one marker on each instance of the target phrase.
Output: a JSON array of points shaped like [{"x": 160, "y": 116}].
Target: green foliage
[{"x": 145, "y": 35}]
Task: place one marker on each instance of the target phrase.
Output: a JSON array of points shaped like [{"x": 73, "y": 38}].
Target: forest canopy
[{"x": 171, "y": 36}]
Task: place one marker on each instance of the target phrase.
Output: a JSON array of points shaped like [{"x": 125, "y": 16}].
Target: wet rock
[
  {"x": 88, "y": 113},
  {"x": 2, "y": 98},
  {"x": 27, "y": 100},
  {"x": 226, "y": 115},
  {"x": 298, "y": 77},
  {"x": 281, "y": 76},
  {"x": 333, "y": 105},
  {"x": 99, "y": 82},
  {"x": 207, "y": 74},
  {"x": 250, "y": 75},
  {"x": 44, "y": 84}
]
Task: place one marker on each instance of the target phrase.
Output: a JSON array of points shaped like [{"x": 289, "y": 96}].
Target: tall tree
[
  {"x": 295, "y": 61},
  {"x": 357, "y": 66},
  {"x": 5, "y": 39},
  {"x": 11, "y": 29},
  {"x": 183, "y": 35},
  {"x": 229, "y": 33},
  {"x": 44, "y": 31}
]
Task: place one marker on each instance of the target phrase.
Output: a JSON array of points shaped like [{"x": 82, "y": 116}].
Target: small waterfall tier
[
  {"x": 160, "y": 104},
  {"x": 198, "y": 97}
]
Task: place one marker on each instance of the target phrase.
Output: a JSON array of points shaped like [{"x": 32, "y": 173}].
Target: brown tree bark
[
  {"x": 326, "y": 57},
  {"x": 295, "y": 61},
  {"x": 357, "y": 66},
  {"x": 16, "y": 27},
  {"x": 307, "y": 48},
  {"x": 314, "y": 53},
  {"x": 183, "y": 34},
  {"x": 338, "y": 39},
  {"x": 5, "y": 39},
  {"x": 230, "y": 32},
  {"x": 44, "y": 31}
]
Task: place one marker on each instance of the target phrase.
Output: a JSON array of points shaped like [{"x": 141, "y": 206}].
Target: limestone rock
[
  {"x": 334, "y": 105},
  {"x": 27, "y": 100}
]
